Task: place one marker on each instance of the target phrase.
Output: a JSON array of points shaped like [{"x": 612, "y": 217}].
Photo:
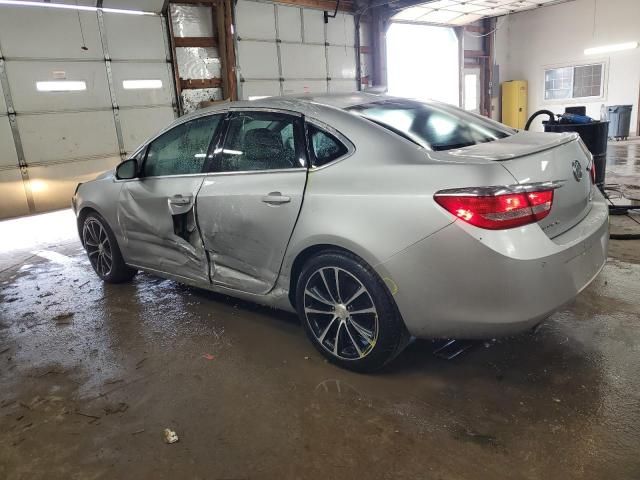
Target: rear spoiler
[{"x": 515, "y": 146}]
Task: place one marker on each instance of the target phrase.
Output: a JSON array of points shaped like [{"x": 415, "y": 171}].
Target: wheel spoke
[
  {"x": 94, "y": 252},
  {"x": 363, "y": 332},
  {"x": 326, "y": 285},
  {"x": 323, "y": 312},
  {"x": 335, "y": 344},
  {"x": 318, "y": 297},
  {"x": 364, "y": 310},
  {"x": 107, "y": 254},
  {"x": 90, "y": 244},
  {"x": 355, "y": 344},
  {"x": 360, "y": 291},
  {"x": 326, "y": 330},
  {"x": 336, "y": 273}
]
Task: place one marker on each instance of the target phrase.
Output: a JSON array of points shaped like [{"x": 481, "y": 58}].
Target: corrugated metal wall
[
  {"x": 66, "y": 137},
  {"x": 286, "y": 50}
]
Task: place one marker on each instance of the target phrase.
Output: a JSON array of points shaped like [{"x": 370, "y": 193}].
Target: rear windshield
[{"x": 435, "y": 126}]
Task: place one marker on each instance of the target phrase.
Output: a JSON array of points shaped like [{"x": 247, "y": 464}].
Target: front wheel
[
  {"x": 348, "y": 313},
  {"x": 103, "y": 251}
]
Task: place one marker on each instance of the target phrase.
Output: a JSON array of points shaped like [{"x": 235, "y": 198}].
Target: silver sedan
[{"x": 376, "y": 219}]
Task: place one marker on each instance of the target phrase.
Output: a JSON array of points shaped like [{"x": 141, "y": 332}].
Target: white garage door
[
  {"x": 286, "y": 50},
  {"x": 80, "y": 90}
]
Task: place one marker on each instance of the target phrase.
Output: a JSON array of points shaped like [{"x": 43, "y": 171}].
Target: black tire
[
  {"x": 100, "y": 242},
  {"x": 366, "y": 340}
]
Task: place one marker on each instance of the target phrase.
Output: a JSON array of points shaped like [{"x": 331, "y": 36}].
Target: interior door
[
  {"x": 248, "y": 206},
  {"x": 156, "y": 211}
]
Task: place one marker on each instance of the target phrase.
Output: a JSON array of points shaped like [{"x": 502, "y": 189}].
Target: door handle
[
  {"x": 181, "y": 200},
  {"x": 276, "y": 198}
]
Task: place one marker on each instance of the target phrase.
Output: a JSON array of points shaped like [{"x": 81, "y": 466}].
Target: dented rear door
[{"x": 249, "y": 204}]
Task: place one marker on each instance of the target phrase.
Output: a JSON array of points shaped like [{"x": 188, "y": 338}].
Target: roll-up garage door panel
[
  {"x": 14, "y": 200},
  {"x": 260, "y": 88},
  {"x": 3, "y": 106},
  {"x": 8, "y": 155},
  {"x": 258, "y": 59},
  {"x": 63, "y": 136},
  {"x": 131, "y": 37},
  {"x": 144, "y": 5},
  {"x": 303, "y": 61},
  {"x": 304, "y": 86},
  {"x": 26, "y": 98},
  {"x": 341, "y": 30},
  {"x": 289, "y": 24},
  {"x": 138, "y": 124},
  {"x": 255, "y": 20},
  {"x": 142, "y": 71},
  {"x": 342, "y": 86},
  {"x": 61, "y": 180},
  {"x": 313, "y": 26},
  {"x": 58, "y": 34},
  {"x": 342, "y": 62}
]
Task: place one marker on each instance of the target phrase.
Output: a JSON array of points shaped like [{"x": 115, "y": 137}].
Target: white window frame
[{"x": 572, "y": 99}]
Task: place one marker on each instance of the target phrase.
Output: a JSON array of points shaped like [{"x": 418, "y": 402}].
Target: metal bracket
[
  {"x": 112, "y": 88},
  {"x": 15, "y": 132}
]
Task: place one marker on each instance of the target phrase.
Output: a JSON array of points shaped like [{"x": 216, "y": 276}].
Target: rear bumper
[{"x": 465, "y": 282}]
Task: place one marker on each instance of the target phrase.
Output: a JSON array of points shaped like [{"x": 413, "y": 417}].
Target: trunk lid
[{"x": 544, "y": 157}]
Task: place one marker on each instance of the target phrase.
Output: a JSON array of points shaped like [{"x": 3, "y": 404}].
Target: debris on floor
[
  {"x": 63, "y": 318},
  {"x": 208, "y": 356},
  {"x": 170, "y": 436}
]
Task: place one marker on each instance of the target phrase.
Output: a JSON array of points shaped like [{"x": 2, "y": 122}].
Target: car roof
[{"x": 300, "y": 103}]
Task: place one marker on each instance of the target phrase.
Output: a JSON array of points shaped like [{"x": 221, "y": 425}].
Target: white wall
[{"x": 527, "y": 42}]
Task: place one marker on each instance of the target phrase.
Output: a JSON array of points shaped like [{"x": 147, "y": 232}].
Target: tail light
[
  {"x": 498, "y": 208},
  {"x": 592, "y": 172}
]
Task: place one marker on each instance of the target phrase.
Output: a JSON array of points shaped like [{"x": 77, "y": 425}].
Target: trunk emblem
[{"x": 577, "y": 170}]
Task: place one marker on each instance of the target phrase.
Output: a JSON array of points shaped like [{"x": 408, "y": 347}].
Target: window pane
[
  {"x": 438, "y": 126},
  {"x": 259, "y": 141},
  {"x": 183, "y": 149},
  {"x": 325, "y": 146},
  {"x": 588, "y": 81},
  {"x": 558, "y": 83}
]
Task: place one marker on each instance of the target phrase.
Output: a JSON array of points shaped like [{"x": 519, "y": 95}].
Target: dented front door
[
  {"x": 157, "y": 217},
  {"x": 157, "y": 211}
]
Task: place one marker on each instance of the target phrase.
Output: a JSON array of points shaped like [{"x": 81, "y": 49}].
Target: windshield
[{"x": 435, "y": 126}]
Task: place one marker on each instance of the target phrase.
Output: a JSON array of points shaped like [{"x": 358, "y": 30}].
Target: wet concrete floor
[{"x": 91, "y": 374}]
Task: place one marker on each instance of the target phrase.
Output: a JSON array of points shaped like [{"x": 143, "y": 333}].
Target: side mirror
[{"x": 127, "y": 169}]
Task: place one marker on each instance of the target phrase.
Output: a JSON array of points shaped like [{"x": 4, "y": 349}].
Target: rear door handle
[
  {"x": 181, "y": 200},
  {"x": 276, "y": 198}
]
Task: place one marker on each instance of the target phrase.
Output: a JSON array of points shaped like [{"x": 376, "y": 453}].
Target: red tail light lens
[
  {"x": 592, "y": 171},
  {"x": 499, "y": 211}
]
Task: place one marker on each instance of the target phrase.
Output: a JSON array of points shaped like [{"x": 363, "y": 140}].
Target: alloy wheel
[
  {"x": 98, "y": 247},
  {"x": 341, "y": 313}
]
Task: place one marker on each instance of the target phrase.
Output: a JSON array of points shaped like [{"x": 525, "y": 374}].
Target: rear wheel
[
  {"x": 348, "y": 313},
  {"x": 103, "y": 251}
]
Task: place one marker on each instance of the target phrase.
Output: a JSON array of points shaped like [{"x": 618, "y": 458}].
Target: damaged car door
[
  {"x": 156, "y": 211},
  {"x": 248, "y": 205}
]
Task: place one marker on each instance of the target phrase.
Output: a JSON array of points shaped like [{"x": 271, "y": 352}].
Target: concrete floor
[{"x": 91, "y": 374}]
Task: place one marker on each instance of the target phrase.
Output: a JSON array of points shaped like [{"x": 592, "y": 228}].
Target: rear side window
[
  {"x": 324, "y": 147},
  {"x": 437, "y": 126}
]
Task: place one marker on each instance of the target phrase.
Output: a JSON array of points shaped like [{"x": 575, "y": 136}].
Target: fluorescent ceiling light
[
  {"x": 83, "y": 8},
  {"x": 257, "y": 97},
  {"x": 141, "y": 84},
  {"x": 61, "y": 86},
  {"x": 611, "y": 48}
]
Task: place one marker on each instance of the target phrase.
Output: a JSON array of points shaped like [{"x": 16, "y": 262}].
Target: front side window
[
  {"x": 260, "y": 141},
  {"x": 324, "y": 146},
  {"x": 436, "y": 126},
  {"x": 182, "y": 150}
]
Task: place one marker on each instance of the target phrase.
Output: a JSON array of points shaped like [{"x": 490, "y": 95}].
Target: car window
[
  {"x": 438, "y": 126},
  {"x": 182, "y": 150},
  {"x": 324, "y": 146},
  {"x": 260, "y": 141}
]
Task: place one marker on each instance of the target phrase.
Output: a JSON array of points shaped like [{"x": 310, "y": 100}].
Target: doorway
[{"x": 423, "y": 63}]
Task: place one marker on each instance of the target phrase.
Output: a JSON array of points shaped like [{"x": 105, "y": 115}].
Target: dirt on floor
[{"x": 92, "y": 374}]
